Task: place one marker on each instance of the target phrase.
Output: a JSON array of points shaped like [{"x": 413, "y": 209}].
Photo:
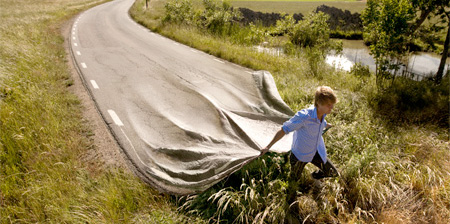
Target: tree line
[{"x": 338, "y": 18}]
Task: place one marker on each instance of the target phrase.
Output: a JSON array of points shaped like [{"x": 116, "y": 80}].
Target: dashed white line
[
  {"x": 78, "y": 53},
  {"x": 219, "y": 61},
  {"x": 249, "y": 72},
  {"x": 83, "y": 65},
  {"x": 134, "y": 149},
  {"x": 115, "y": 118},
  {"x": 75, "y": 44},
  {"x": 94, "y": 84},
  {"x": 74, "y": 38},
  {"x": 176, "y": 44}
]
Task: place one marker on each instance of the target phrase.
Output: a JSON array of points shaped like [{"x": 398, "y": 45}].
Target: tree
[
  {"x": 439, "y": 11},
  {"x": 387, "y": 29},
  {"x": 444, "y": 10},
  {"x": 391, "y": 26}
]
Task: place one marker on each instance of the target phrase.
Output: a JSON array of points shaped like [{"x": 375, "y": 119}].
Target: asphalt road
[{"x": 184, "y": 118}]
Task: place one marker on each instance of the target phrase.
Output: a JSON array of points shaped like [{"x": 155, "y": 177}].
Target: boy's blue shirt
[{"x": 307, "y": 139}]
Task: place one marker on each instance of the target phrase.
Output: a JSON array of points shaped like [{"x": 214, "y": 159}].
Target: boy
[{"x": 308, "y": 146}]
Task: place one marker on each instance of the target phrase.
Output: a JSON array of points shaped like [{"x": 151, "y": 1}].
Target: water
[
  {"x": 421, "y": 64},
  {"x": 355, "y": 51},
  {"x": 277, "y": 51}
]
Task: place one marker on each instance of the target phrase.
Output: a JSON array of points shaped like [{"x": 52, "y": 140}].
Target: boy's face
[{"x": 326, "y": 107}]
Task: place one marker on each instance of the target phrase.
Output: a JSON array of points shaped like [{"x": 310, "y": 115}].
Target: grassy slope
[
  {"x": 396, "y": 173},
  {"x": 42, "y": 133}
]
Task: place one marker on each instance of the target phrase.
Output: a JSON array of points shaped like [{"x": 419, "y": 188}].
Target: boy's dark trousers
[{"x": 326, "y": 170}]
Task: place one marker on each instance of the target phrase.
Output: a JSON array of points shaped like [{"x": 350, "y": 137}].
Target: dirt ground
[{"x": 104, "y": 151}]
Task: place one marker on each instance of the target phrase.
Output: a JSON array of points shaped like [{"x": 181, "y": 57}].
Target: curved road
[{"x": 184, "y": 118}]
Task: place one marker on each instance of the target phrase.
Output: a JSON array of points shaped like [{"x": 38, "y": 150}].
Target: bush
[
  {"x": 312, "y": 31},
  {"x": 179, "y": 12},
  {"x": 415, "y": 101},
  {"x": 360, "y": 70},
  {"x": 256, "y": 193},
  {"x": 219, "y": 17}
]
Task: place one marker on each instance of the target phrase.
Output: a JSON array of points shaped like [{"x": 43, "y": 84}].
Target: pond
[
  {"x": 355, "y": 51},
  {"x": 421, "y": 64}
]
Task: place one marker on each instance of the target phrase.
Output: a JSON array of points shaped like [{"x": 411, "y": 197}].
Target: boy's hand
[
  {"x": 327, "y": 128},
  {"x": 264, "y": 150}
]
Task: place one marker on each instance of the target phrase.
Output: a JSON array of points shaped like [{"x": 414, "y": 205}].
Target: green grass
[
  {"x": 394, "y": 169},
  {"x": 43, "y": 134},
  {"x": 392, "y": 173}
]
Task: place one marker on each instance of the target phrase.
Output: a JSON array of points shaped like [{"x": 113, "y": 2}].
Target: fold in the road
[{"x": 184, "y": 118}]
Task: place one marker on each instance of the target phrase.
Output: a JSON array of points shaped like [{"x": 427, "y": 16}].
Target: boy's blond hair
[{"x": 324, "y": 94}]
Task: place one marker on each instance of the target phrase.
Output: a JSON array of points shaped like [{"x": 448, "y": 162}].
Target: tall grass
[
  {"x": 43, "y": 134},
  {"x": 392, "y": 170}
]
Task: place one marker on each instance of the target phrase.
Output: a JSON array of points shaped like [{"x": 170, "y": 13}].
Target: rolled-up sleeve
[{"x": 295, "y": 123}]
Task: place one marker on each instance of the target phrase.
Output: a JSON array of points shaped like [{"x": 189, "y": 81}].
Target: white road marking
[
  {"x": 134, "y": 149},
  {"x": 195, "y": 51},
  {"x": 73, "y": 33},
  {"x": 115, "y": 118},
  {"x": 75, "y": 44},
  {"x": 83, "y": 65},
  {"x": 176, "y": 44},
  {"x": 219, "y": 61},
  {"x": 74, "y": 38},
  {"x": 78, "y": 53},
  {"x": 249, "y": 72},
  {"x": 94, "y": 84}
]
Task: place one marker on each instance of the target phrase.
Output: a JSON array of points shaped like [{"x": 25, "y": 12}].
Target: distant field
[
  {"x": 297, "y": 6},
  {"x": 295, "y": 1}
]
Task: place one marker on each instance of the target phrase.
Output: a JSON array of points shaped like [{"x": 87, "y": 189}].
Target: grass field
[
  {"x": 390, "y": 173},
  {"x": 43, "y": 135},
  {"x": 298, "y": 6}
]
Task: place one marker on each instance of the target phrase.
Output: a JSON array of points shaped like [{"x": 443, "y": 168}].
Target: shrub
[
  {"x": 219, "y": 18},
  {"x": 415, "y": 101},
  {"x": 360, "y": 70},
  {"x": 312, "y": 31},
  {"x": 255, "y": 35},
  {"x": 256, "y": 193},
  {"x": 179, "y": 12}
]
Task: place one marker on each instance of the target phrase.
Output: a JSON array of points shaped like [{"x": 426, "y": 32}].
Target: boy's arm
[
  {"x": 327, "y": 128},
  {"x": 275, "y": 139}
]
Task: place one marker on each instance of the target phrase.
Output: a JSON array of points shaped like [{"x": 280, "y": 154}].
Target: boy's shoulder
[{"x": 306, "y": 112}]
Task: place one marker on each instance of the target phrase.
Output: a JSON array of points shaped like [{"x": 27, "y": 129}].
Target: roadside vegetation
[
  {"x": 390, "y": 142},
  {"x": 391, "y": 146},
  {"x": 43, "y": 134}
]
